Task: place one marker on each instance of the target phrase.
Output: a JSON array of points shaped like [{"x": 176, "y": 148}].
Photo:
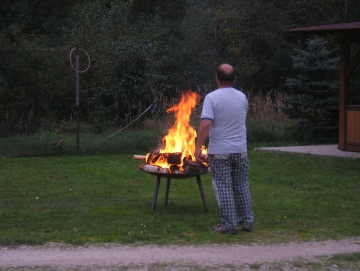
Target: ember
[{"x": 178, "y": 154}]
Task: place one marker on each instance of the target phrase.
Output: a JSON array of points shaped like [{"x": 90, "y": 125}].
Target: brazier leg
[
  {"x": 156, "y": 192},
  {"x": 167, "y": 191},
  {"x": 202, "y": 193}
]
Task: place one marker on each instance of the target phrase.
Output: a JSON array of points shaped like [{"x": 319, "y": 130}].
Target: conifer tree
[{"x": 313, "y": 99}]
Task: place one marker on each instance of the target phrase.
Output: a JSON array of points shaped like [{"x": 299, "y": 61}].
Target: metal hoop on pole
[
  {"x": 77, "y": 98},
  {"x": 88, "y": 57}
]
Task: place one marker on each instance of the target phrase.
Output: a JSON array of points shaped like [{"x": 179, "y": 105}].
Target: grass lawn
[{"x": 80, "y": 199}]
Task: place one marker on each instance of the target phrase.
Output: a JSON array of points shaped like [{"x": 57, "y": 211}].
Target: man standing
[{"x": 223, "y": 118}]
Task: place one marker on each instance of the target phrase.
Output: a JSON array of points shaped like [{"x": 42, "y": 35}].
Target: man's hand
[{"x": 198, "y": 155}]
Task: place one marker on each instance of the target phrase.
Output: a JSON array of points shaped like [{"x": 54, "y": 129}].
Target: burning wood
[
  {"x": 171, "y": 163},
  {"x": 195, "y": 167},
  {"x": 164, "y": 158},
  {"x": 177, "y": 156},
  {"x": 160, "y": 158}
]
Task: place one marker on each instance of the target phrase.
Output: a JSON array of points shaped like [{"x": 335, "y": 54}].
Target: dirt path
[{"x": 107, "y": 257}]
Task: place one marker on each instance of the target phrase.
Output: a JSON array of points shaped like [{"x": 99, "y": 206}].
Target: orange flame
[{"x": 181, "y": 136}]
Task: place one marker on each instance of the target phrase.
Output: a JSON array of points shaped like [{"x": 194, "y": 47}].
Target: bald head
[{"x": 225, "y": 74}]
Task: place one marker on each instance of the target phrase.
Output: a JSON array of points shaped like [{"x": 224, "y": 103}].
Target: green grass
[
  {"x": 109, "y": 142},
  {"x": 107, "y": 199}
]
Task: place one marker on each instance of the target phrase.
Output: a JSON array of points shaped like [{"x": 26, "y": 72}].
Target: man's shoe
[
  {"x": 247, "y": 228},
  {"x": 221, "y": 229}
]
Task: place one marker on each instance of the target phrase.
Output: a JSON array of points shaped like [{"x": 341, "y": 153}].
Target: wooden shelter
[{"x": 348, "y": 33}]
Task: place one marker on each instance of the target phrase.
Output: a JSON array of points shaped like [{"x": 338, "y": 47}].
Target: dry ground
[{"x": 289, "y": 256}]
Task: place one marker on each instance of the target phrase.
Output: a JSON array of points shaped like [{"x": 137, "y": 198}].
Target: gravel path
[{"x": 119, "y": 257}]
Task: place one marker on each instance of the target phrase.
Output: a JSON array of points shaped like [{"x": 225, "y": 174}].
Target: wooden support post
[{"x": 343, "y": 97}]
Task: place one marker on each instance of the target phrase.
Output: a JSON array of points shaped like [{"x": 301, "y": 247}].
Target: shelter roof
[{"x": 349, "y": 29}]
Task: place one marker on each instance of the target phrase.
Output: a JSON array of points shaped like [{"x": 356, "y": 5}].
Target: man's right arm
[{"x": 202, "y": 134}]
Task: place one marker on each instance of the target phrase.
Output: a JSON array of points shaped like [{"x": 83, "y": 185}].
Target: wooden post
[{"x": 343, "y": 95}]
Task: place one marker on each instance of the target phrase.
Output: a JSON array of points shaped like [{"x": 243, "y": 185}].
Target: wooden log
[
  {"x": 194, "y": 167},
  {"x": 139, "y": 157},
  {"x": 155, "y": 169},
  {"x": 174, "y": 158}
]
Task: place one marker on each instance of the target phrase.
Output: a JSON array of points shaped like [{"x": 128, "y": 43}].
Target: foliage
[
  {"x": 140, "y": 51},
  {"x": 313, "y": 95},
  {"x": 265, "y": 123},
  {"x": 306, "y": 12},
  {"x": 247, "y": 34},
  {"x": 119, "y": 83}
]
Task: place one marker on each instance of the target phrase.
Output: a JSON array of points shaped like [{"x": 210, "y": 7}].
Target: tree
[
  {"x": 127, "y": 68},
  {"x": 142, "y": 49},
  {"x": 313, "y": 95},
  {"x": 307, "y": 12},
  {"x": 244, "y": 33}
]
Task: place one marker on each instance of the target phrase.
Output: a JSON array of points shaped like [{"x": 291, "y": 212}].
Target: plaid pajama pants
[{"x": 230, "y": 173}]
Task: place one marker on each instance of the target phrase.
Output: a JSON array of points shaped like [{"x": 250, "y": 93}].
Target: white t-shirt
[{"x": 227, "y": 108}]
